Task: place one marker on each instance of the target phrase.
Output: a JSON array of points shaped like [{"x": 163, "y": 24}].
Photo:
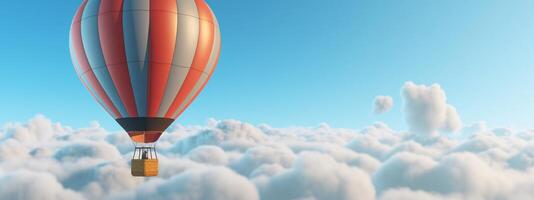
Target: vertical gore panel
[
  {"x": 136, "y": 18},
  {"x": 184, "y": 52},
  {"x": 187, "y": 7},
  {"x": 112, "y": 42},
  {"x": 214, "y": 57},
  {"x": 94, "y": 94},
  {"x": 93, "y": 50},
  {"x": 208, "y": 71},
  {"x": 163, "y": 28},
  {"x": 76, "y": 64},
  {"x": 72, "y": 52},
  {"x": 85, "y": 72},
  {"x": 202, "y": 54}
]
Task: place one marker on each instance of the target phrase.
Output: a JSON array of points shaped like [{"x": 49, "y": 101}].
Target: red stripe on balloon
[
  {"x": 202, "y": 55},
  {"x": 163, "y": 32},
  {"x": 84, "y": 63},
  {"x": 203, "y": 84},
  {"x": 112, "y": 42},
  {"x": 202, "y": 87}
]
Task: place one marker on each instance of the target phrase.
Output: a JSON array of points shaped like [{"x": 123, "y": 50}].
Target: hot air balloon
[{"x": 144, "y": 61}]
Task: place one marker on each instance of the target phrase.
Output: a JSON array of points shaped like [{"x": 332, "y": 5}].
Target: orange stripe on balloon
[
  {"x": 202, "y": 55},
  {"x": 144, "y": 137},
  {"x": 85, "y": 67},
  {"x": 163, "y": 31},
  {"x": 112, "y": 42}
]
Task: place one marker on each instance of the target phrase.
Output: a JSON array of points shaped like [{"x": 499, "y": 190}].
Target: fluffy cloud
[
  {"x": 210, "y": 183},
  {"x": 208, "y": 154},
  {"x": 229, "y": 134},
  {"x": 230, "y": 159},
  {"x": 383, "y": 104},
  {"x": 87, "y": 149},
  {"x": 407, "y": 194},
  {"x": 263, "y": 155},
  {"x": 33, "y": 185},
  {"x": 318, "y": 176},
  {"x": 427, "y": 111}
]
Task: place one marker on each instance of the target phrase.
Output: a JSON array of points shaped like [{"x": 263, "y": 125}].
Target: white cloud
[
  {"x": 426, "y": 109},
  {"x": 401, "y": 171},
  {"x": 211, "y": 183},
  {"x": 318, "y": 176},
  {"x": 229, "y": 134},
  {"x": 209, "y": 155},
  {"x": 12, "y": 149},
  {"x": 34, "y": 185},
  {"x": 407, "y": 194},
  {"x": 369, "y": 145},
  {"x": 87, "y": 149},
  {"x": 263, "y": 155},
  {"x": 382, "y": 104},
  {"x": 524, "y": 159},
  {"x": 463, "y": 175}
]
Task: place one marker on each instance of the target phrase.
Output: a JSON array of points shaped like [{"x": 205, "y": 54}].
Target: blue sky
[{"x": 302, "y": 62}]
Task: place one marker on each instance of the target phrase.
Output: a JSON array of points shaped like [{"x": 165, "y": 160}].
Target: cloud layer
[{"x": 230, "y": 159}]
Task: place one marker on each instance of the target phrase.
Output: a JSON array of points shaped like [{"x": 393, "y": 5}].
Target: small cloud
[{"x": 383, "y": 104}]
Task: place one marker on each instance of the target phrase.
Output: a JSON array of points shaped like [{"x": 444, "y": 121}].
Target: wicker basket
[{"x": 146, "y": 167}]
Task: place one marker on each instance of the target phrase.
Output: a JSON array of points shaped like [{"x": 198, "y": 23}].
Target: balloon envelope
[{"x": 145, "y": 61}]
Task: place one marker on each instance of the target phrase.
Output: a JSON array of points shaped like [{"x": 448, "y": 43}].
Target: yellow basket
[{"x": 144, "y": 167}]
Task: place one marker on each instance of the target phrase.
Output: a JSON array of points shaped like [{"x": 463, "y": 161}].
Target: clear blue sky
[{"x": 302, "y": 62}]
